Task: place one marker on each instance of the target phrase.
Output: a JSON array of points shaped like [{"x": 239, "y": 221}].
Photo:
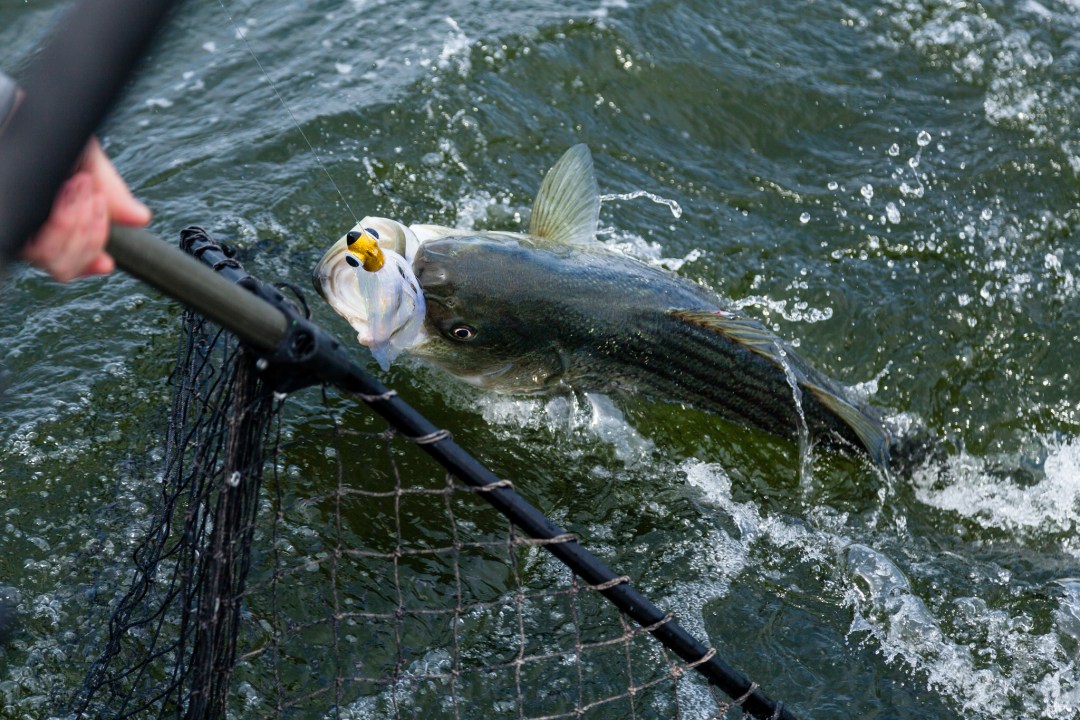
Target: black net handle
[{"x": 307, "y": 351}]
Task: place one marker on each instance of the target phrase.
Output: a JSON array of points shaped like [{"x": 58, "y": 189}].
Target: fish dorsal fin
[
  {"x": 567, "y": 208},
  {"x": 757, "y": 338}
]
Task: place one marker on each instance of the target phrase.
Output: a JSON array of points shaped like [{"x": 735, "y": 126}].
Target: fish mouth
[
  {"x": 323, "y": 270},
  {"x": 318, "y": 279}
]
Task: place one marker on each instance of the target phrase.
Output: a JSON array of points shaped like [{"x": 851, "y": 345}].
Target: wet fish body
[
  {"x": 555, "y": 310},
  {"x": 595, "y": 320}
]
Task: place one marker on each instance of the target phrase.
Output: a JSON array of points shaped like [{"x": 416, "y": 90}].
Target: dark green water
[{"x": 894, "y": 185}]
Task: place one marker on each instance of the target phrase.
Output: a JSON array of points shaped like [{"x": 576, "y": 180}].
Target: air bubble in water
[
  {"x": 867, "y": 191},
  {"x": 833, "y": 184},
  {"x": 892, "y": 213},
  {"x": 234, "y": 479},
  {"x": 923, "y": 138},
  {"x": 804, "y": 218},
  {"x": 894, "y": 150}
]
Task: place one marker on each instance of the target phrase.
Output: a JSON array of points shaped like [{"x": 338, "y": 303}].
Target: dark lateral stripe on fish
[
  {"x": 820, "y": 402},
  {"x": 754, "y": 398},
  {"x": 754, "y": 390},
  {"x": 762, "y": 396}
]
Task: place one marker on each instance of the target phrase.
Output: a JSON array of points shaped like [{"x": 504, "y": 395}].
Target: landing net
[{"x": 395, "y": 590}]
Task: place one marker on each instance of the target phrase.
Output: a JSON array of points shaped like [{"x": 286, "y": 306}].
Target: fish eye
[{"x": 462, "y": 332}]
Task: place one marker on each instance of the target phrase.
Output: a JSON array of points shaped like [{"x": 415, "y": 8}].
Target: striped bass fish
[{"x": 555, "y": 310}]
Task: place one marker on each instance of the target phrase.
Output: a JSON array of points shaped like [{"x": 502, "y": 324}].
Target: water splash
[
  {"x": 793, "y": 310},
  {"x": 806, "y": 458},
  {"x": 886, "y": 608},
  {"x": 673, "y": 206},
  {"x": 1028, "y": 79},
  {"x": 999, "y": 494}
]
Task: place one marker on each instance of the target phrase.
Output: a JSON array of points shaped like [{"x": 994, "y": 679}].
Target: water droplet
[
  {"x": 892, "y": 213},
  {"x": 923, "y": 138},
  {"x": 804, "y": 218},
  {"x": 234, "y": 479},
  {"x": 867, "y": 191},
  {"x": 261, "y": 364},
  {"x": 986, "y": 214},
  {"x": 833, "y": 184},
  {"x": 911, "y": 191},
  {"x": 894, "y": 150}
]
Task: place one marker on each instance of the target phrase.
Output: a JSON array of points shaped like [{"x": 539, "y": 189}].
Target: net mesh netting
[{"x": 259, "y": 591}]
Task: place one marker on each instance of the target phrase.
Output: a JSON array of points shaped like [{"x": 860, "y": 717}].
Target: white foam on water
[
  {"x": 989, "y": 661},
  {"x": 591, "y": 413},
  {"x": 651, "y": 252},
  {"x": 402, "y": 695},
  {"x": 715, "y": 560},
  {"x": 601, "y": 12},
  {"x": 886, "y": 609},
  {"x": 1051, "y": 504},
  {"x": 454, "y": 54}
]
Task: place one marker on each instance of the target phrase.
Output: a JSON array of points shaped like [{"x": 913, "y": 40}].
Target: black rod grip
[
  {"x": 183, "y": 278},
  {"x": 69, "y": 88}
]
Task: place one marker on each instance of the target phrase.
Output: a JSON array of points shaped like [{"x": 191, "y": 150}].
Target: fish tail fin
[
  {"x": 916, "y": 448},
  {"x": 870, "y": 431}
]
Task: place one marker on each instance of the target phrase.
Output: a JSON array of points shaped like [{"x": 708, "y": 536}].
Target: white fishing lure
[{"x": 367, "y": 277}]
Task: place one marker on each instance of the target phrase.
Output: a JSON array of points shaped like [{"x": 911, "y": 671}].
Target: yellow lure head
[{"x": 364, "y": 244}]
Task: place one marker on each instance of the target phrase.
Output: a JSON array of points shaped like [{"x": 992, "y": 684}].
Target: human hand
[{"x": 71, "y": 243}]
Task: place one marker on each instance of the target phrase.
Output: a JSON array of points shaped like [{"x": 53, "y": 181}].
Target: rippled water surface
[{"x": 893, "y": 185}]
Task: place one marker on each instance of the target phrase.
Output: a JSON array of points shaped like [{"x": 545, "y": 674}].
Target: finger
[
  {"x": 87, "y": 242},
  {"x": 48, "y": 247},
  {"x": 121, "y": 205},
  {"x": 76, "y": 232},
  {"x": 103, "y": 264}
]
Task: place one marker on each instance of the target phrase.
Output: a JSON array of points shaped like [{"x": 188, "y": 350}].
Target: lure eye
[
  {"x": 462, "y": 332},
  {"x": 352, "y": 261}
]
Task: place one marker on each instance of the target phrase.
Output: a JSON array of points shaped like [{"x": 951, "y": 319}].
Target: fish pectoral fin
[
  {"x": 738, "y": 328},
  {"x": 567, "y": 208},
  {"x": 870, "y": 432}
]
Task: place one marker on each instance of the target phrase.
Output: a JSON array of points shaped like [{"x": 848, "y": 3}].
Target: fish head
[
  {"x": 481, "y": 324},
  {"x": 479, "y": 305},
  {"x": 367, "y": 278}
]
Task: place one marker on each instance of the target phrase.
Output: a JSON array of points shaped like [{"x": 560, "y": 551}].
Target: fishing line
[{"x": 243, "y": 37}]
